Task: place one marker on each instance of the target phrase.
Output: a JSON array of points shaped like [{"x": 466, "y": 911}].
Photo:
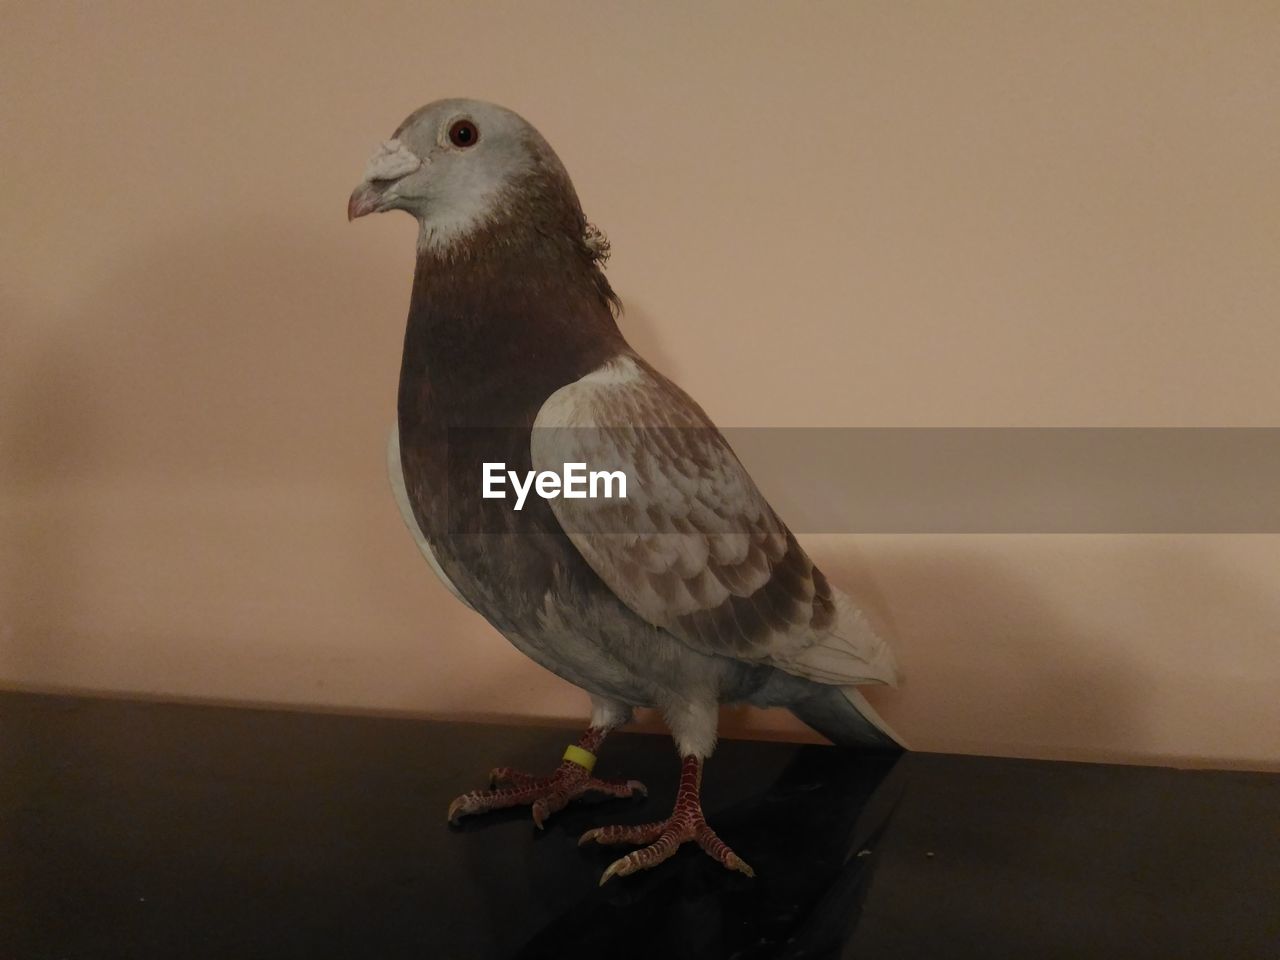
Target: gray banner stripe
[
  {"x": 950, "y": 480},
  {"x": 1018, "y": 480}
]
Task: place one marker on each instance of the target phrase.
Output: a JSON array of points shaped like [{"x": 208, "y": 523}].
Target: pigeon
[{"x": 687, "y": 593}]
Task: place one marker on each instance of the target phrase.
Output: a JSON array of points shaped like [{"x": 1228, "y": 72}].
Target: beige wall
[{"x": 822, "y": 214}]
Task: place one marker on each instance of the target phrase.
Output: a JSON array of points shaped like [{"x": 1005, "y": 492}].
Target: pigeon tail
[{"x": 843, "y": 716}]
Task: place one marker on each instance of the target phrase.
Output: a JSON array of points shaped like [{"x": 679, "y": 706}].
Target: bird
[{"x": 688, "y": 593}]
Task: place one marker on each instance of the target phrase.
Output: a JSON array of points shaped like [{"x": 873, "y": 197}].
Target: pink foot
[
  {"x": 544, "y": 795},
  {"x": 664, "y": 837}
]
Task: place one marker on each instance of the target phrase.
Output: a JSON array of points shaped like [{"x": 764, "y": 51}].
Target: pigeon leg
[
  {"x": 546, "y": 795},
  {"x": 664, "y": 837}
]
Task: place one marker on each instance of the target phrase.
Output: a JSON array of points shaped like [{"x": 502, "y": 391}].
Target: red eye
[{"x": 463, "y": 133}]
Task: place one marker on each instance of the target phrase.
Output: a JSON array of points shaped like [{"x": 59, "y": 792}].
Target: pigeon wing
[{"x": 694, "y": 548}]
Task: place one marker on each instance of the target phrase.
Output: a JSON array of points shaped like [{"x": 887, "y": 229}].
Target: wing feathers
[{"x": 695, "y": 548}]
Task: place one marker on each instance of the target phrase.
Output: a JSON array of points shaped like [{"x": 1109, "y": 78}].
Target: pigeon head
[{"x": 460, "y": 166}]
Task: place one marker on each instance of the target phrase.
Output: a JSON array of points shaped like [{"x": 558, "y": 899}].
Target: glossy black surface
[{"x": 143, "y": 830}]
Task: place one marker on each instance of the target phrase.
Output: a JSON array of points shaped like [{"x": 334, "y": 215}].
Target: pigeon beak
[
  {"x": 390, "y": 164},
  {"x": 364, "y": 199}
]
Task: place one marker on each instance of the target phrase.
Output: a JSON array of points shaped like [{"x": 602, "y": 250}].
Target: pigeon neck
[{"x": 499, "y": 326}]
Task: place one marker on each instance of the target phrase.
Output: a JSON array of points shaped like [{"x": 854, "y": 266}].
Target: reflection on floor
[{"x": 159, "y": 831}]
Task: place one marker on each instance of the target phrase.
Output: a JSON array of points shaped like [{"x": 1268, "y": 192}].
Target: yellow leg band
[{"x": 583, "y": 758}]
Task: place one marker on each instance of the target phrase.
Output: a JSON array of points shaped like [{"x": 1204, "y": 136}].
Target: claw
[
  {"x": 615, "y": 869},
  {"x": 544, "y": 795},
  {"x": 456, "y": 809},
  {"x": 660, "y": 840}
]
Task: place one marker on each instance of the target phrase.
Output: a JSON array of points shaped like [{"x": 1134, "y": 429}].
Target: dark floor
[{"x": 141, "y": 830}]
